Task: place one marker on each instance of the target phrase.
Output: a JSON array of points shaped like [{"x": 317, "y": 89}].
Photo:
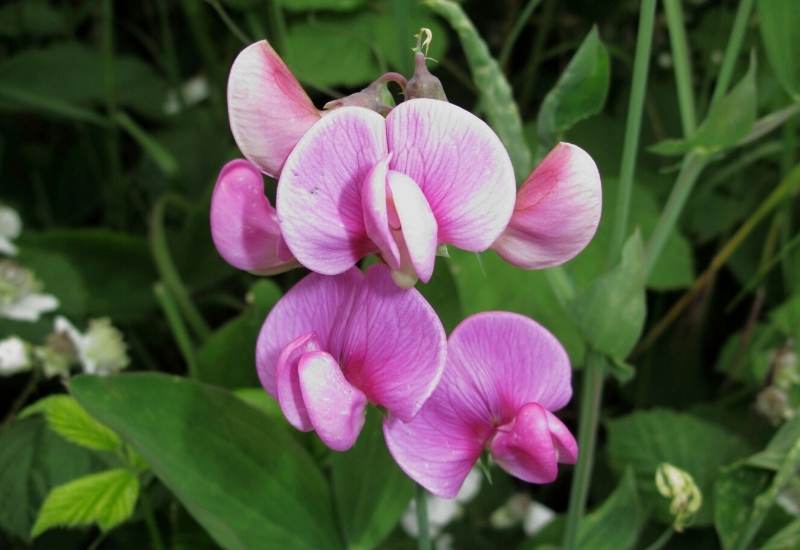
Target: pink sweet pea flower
[
  {"x": 429, "y": 173},
  {"x": 505, "y": 375},
  {"x": 333, "y": 344},
  {"x": 557, "y": 211}
]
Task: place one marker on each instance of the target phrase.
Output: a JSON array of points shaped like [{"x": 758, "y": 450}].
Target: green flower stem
[
  {"x": 662, "y": 540},
  {"x": 633, "y": 125},
  {"x": 693, "y": 164},
  {"x": 520, "y": 21},
  {"x": 682, "y": 64},
  {"x": 166, "y": 267},
  {"x": 732, "y": 50},
  {"x": 591, "y": 394},
  {"x": 423, "y": 532},
  {"x": 178, "y": 328}
]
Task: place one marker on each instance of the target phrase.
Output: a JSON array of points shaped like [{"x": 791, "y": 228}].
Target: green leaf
[
  {"x": 116, "y": 269},
  {"x": 227, "y": 358},
  {"x": 261, "y": 400},
  {"x": 611, "y": 312},
  {"x": 311, "y": 5},
  {"x": 32, "y": 461},
  {"x": 59, "y": 278},
  {"x": 727, "y": 122},
  {"x": 645, "y": 439},
  {"x": 486, "y": 283},
  {"x": 239, "y": 474},
  {"x": 106, "y": 499},
  {"x": 80, "y": 78},
  {"x": 616, "y": 524},
  {"x": 734, "y": 493},
  {"x": 580, "y": 92},
  {"x": 774, "y": 454},
  {"x": 497, "y": 98},
  {"x": 779, "y": 21},
  {"x": 787, "y": 538},
  {"x": 68, "y": 419},
  {"x": 370, "y": 490}
]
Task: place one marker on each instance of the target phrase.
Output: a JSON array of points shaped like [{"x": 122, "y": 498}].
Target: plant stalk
[
  {"x": 683, "y": 65},
  {"x": 423, "y": 531}
]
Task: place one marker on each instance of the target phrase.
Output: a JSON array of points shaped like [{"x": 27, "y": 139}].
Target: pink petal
[
  {"x": 319, "y": 194},
  {"x": 460, "y": 165},
  {"x": 498, "y": 361},
  {"x": 244, "y": 226},
  {"x": 315, "y": 304},
  {"x": 393, "y": 345},
  {"x": 287, "y": 381},
  {"x": 436, "y": 449},
  {"x": 268, "y": 109},
  {"x": 417, "y": 224},
  {"x": 336, "y": 409},
  {"x": 376, "y": 215},
  {"x": 563, "y": 439},
  {"x": 524, "y": 448},
  {"x": 557, "y": 211}
]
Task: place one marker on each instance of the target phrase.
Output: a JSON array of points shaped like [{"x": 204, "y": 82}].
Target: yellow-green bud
[{"x": 679, "y": 486}]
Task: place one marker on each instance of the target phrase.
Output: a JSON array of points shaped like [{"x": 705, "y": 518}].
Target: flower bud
[
  {"x": 679, "y": 486},
  {"x": 423, "y": 83},
  {"x": 773, "y": 404},
  {"x": 20, "y": 297},
  {"x": 14, "y": 356},
  {"x": 375, "y": 97},
  {"x": 104, "y": 350}
]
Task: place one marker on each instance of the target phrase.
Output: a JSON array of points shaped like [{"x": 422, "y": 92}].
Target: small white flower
[
  {"x": 536, "y": 518},
  {"x": 14, "y": 356},
  {"x": 521, "y": 509},
  {"x": 101, "y": 349},
  {"x": 193, "y": 91},
  {"x": 21, "y": 298},
  {"x": 10, "y": 228}
]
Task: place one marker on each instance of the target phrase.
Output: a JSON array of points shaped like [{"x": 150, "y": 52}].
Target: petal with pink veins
[
  {"x": 319, "y": 194},
  {"x": 563, "y": 439},
  {"x": 417, "y": 224},
  {"x": 315, "y": 304},
  {"x": 287, "y": 381},
  {"x": 337, "y": 409},
  {"x": 392, "y": 346},
  {"x": 460, "y": 165},
  {"x": 244, "y": 226},
  {"x": 557, "y": 211},
  {"x": 376, "y": 214},
  {"x": 524, "y": 447},
  {"x": 268, "y": 110}
]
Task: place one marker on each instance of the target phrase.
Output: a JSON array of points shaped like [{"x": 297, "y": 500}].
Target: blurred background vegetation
[{"x": 114, "y": 127}]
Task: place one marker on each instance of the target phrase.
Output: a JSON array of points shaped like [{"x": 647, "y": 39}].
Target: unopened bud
[
  {"x": 679, "y": 486},
  {"x": 104, "y": 350},
  {"x": 374, "y": 97},
  {"x": 423, "y": 83},
  {"x": 14, "y": 356},
  {"x": 773, "y": 404}
]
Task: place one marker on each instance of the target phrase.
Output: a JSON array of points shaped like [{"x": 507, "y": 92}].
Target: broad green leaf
[
  {"x": 496, "y": 95},
  {"x": 645, "y": 439},
  {"x": 241, "y": 475},
  {"x": 580, "y": 92},
  {"x": 486, "y": 282},
  {"x": 370, "y": 490},
  {"x": 611, "y": 312},
  {"x": 105, "y": 498},
  {"x": 261, "y": 400},
  {"x": 774, "y": 454},
  {"x": 787, "y": 538},
  {"x": 616, "y": 524},
  {"x": 442, "y": 293},
  {"x": 357, "y": 50},
  {"x": 727, "y": 122},
  {"x": 734, "y": 493},
  {"x": 779, "y": 21},
  {"x": 80, "y": 78},
  {"x": 311, "y": 5},
  {"x": 116, "y": 268},
  {"x": 227, "y": 358},
  {"x": 68, "y": 419},
  {"x": 32, "y": 461}
]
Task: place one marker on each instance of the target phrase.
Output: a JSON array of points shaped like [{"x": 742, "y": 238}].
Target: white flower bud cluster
[{"x": 774, "y": 402}]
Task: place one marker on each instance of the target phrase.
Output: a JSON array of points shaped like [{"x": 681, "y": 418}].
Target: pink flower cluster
[{"x": 353, "y": 183}]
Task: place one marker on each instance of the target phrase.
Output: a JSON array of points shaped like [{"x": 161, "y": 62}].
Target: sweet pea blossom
[
  {"x": 505, "y": 375},
  {"x": 353, "y": 182},
  {"x": 333, "y": 344}
]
